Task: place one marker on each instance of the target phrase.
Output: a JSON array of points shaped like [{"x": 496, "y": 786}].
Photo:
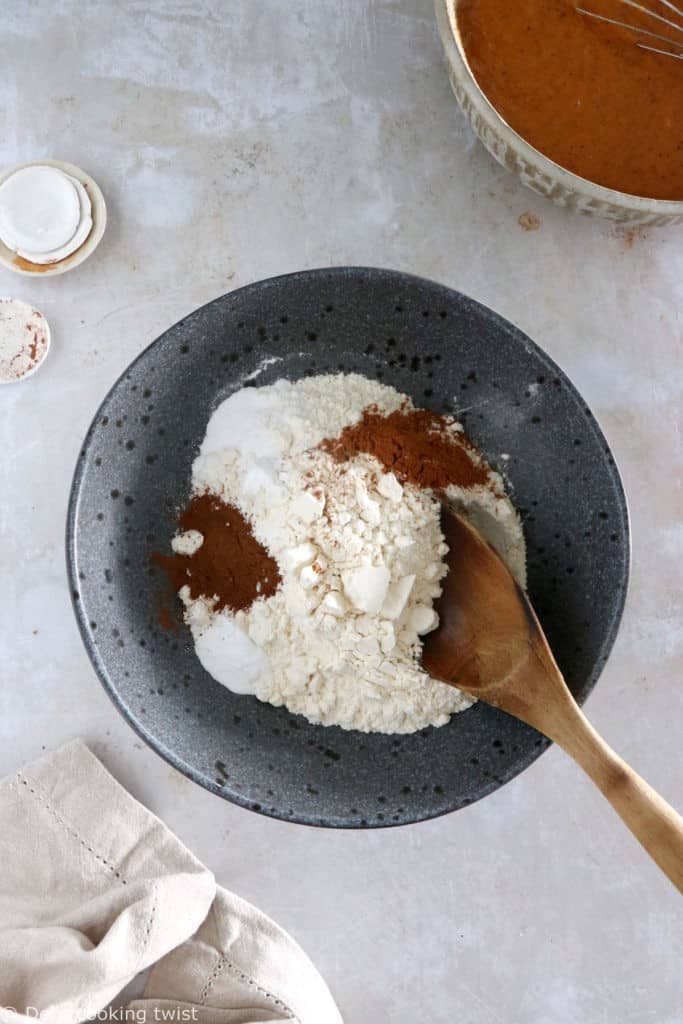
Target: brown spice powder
[
  {"x": 419, "y": 446},
  {"x": 230, "y": 565},
  {"x": 414, "y": 444},
  {"x": 166, "y": 620}
]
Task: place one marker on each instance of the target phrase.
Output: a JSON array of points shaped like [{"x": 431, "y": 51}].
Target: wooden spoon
[{"x": 491, "y": 645}]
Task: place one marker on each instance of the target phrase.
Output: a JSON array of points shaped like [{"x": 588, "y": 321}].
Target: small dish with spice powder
[
  {"x": 571, "y": 103},
  {"x": 24, "y": 340}
]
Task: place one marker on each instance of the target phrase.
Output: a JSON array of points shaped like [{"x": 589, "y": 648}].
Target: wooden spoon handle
[{"x": 654, "y": 823}]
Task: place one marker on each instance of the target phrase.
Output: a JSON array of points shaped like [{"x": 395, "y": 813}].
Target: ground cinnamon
[
  {"x": 418, "y": 446},
  {"x": 230, "y": 565}
]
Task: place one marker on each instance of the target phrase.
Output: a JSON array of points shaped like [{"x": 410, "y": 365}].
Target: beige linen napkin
[{"x": 95, "y": 889}]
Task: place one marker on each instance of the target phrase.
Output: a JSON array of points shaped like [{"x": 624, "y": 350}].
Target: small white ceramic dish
[
  {"x": 18, "y": 265},
  {"x": 535, "y": 170},
  {"x": 29, "y": 319}
]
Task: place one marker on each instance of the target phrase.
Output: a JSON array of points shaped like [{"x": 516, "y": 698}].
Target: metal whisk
[{"x": 650, "y": 34}]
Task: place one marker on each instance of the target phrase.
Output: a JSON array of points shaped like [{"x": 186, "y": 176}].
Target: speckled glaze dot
[{"x": 447, "y": 352}]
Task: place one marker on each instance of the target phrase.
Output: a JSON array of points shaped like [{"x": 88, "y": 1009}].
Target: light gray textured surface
[{"x": 235, "y": 140}]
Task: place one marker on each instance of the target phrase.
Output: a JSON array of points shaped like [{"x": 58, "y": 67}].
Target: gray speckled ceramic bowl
[
  {"x": 449, "y": 354},
  {"x": 535, "y": 170}
]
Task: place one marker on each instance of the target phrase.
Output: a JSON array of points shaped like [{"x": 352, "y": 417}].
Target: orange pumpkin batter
[{"x": 581, "y": 91}]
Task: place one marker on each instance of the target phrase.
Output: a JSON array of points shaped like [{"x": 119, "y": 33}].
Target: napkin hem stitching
[
  {"x": 73, "y": 832},
  {"x": 223, "y": 963},
  {"x": 148, "y": 930}
]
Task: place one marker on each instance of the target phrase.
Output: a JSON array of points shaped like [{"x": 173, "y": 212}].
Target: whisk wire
[
  {"x": 634, "y": 5},
  {"x": 623, "y": 24},
  {"x": 672, "y": 7},
  {"x": 656, "y": 49},
  {"x": 653, "y": 14}
]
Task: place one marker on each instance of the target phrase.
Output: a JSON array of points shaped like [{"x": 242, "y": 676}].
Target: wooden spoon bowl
[{"x": 490, "y": 644}]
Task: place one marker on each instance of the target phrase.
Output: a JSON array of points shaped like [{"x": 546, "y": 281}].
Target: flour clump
[{"x": 325, "y": 473}]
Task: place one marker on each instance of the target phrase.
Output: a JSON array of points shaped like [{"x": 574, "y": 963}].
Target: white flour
[{"x": 360, "y": 555}]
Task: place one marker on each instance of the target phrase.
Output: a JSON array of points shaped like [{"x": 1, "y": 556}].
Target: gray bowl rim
[{"x": 72, "y": 573}]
